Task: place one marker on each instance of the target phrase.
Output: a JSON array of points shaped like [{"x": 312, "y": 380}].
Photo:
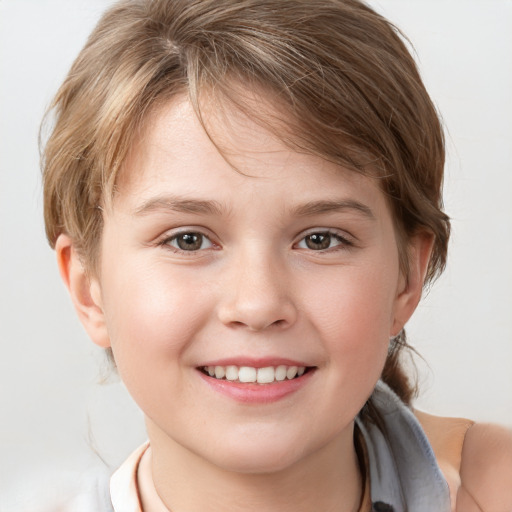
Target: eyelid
[
  {"x": 346, "y": 240},
  {"x": 165, "y": 239}
]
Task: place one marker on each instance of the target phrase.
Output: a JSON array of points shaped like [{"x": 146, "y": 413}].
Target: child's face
[{"x": 294, "y": 262}]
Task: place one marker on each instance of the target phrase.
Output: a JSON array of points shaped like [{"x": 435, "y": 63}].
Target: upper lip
[{"x": 260, "y": 362}]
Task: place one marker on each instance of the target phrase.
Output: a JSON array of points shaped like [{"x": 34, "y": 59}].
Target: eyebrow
[
  {"x": 318, "y": 207},
  {"x": 177, "y": 204},
  {"x": 162, "y": 204}
]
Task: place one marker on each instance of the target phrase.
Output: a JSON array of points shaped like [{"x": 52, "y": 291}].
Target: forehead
[{"x": 224, "y": 151}]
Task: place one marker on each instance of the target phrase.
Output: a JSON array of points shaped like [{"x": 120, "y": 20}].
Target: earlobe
[
  {"x": 411, "y": 286},
  {"x": 84, "y": 291}
]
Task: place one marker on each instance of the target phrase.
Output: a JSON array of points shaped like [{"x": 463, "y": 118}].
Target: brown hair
[{"x": 341, "y": 72}]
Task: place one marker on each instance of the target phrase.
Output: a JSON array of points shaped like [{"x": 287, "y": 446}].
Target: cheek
[
  {"x": 152, "y": 318},
  {"x": 150, "y": 314},
  {"x": 354, "y": 312}
]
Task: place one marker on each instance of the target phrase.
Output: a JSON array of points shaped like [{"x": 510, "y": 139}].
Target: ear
[
  {"x": 419, "y": 249},
  {"x": 84, "y": 290}
]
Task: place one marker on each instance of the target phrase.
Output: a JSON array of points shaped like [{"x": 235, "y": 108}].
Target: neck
[{"x": 328, "y": 479}]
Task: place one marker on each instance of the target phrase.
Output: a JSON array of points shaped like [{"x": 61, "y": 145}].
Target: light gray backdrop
[{"x": 54, "y": 413}]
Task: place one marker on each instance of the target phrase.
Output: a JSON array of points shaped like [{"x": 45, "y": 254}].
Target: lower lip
[{"x": 257, "y": 393}]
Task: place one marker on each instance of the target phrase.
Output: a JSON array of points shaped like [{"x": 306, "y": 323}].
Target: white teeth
[
  {"x": 281, "y": 372},
  {"x": 231, "y": 373},
  {"x": 249, "y": 374},
  {"x": 266, "y": 375},
  {"x": 291, "y": 372}
]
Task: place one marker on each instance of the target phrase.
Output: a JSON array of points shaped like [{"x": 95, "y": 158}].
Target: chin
[
  {"x": 260, "y": 454},
  {"x": 258, "y": 462}
]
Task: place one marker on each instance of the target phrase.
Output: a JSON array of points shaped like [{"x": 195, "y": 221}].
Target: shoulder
[
  {"x": 486, "y": 468},
  {"x": 476, "y": 459},
  {"x": 446, "y": 437}
]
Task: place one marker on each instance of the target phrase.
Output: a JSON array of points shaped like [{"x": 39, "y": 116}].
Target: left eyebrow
[
  {"x": 317, "y": 207},
  {"x": 166, "y": 204}
]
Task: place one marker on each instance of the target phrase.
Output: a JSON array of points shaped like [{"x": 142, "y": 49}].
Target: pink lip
[
  {"x": 256, "y": 393},
  {"x": 261, "y": 362}
]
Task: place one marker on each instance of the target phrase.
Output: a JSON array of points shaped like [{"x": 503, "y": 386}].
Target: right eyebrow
[
  {"x": 166, "y": 204},
  {"x": 319, "y": 207}
]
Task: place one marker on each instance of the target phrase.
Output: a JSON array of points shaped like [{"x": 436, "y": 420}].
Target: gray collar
[{"x": 404, "y": 475}]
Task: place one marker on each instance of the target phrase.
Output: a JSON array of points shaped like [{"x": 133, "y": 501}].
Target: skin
[
  {"x": 476, "y": 460},
  {"x": 253, "y": 288}
]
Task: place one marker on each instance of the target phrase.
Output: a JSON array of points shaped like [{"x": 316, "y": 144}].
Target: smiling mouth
[{"x": 248, "y": 374}]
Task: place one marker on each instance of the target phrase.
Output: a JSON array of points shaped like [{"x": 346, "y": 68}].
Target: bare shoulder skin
[
  {"x": 476, "y": 459},
  {"x": 486, "y": 469}
]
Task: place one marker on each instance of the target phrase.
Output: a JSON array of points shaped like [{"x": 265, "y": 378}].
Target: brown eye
[
  {"x": 324, "y": 241},
  {"x": 318, "y": 241},
  {"x": 189, "y": 242}
]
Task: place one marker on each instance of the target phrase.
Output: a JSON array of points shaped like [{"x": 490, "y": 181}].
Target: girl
[{"x": 245, "y": 202}]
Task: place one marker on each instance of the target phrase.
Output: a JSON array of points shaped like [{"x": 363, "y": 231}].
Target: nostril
[
  {"x": 255, "y": 295},
  {"x": 256, "y": 325}
]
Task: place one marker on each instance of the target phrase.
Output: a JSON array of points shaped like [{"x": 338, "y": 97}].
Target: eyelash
[
  {"x": 343, "y": 242},
  {"x": 167, "y": 241}
]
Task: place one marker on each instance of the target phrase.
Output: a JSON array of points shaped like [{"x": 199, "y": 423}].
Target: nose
[{"x": 256, "y": 293}]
